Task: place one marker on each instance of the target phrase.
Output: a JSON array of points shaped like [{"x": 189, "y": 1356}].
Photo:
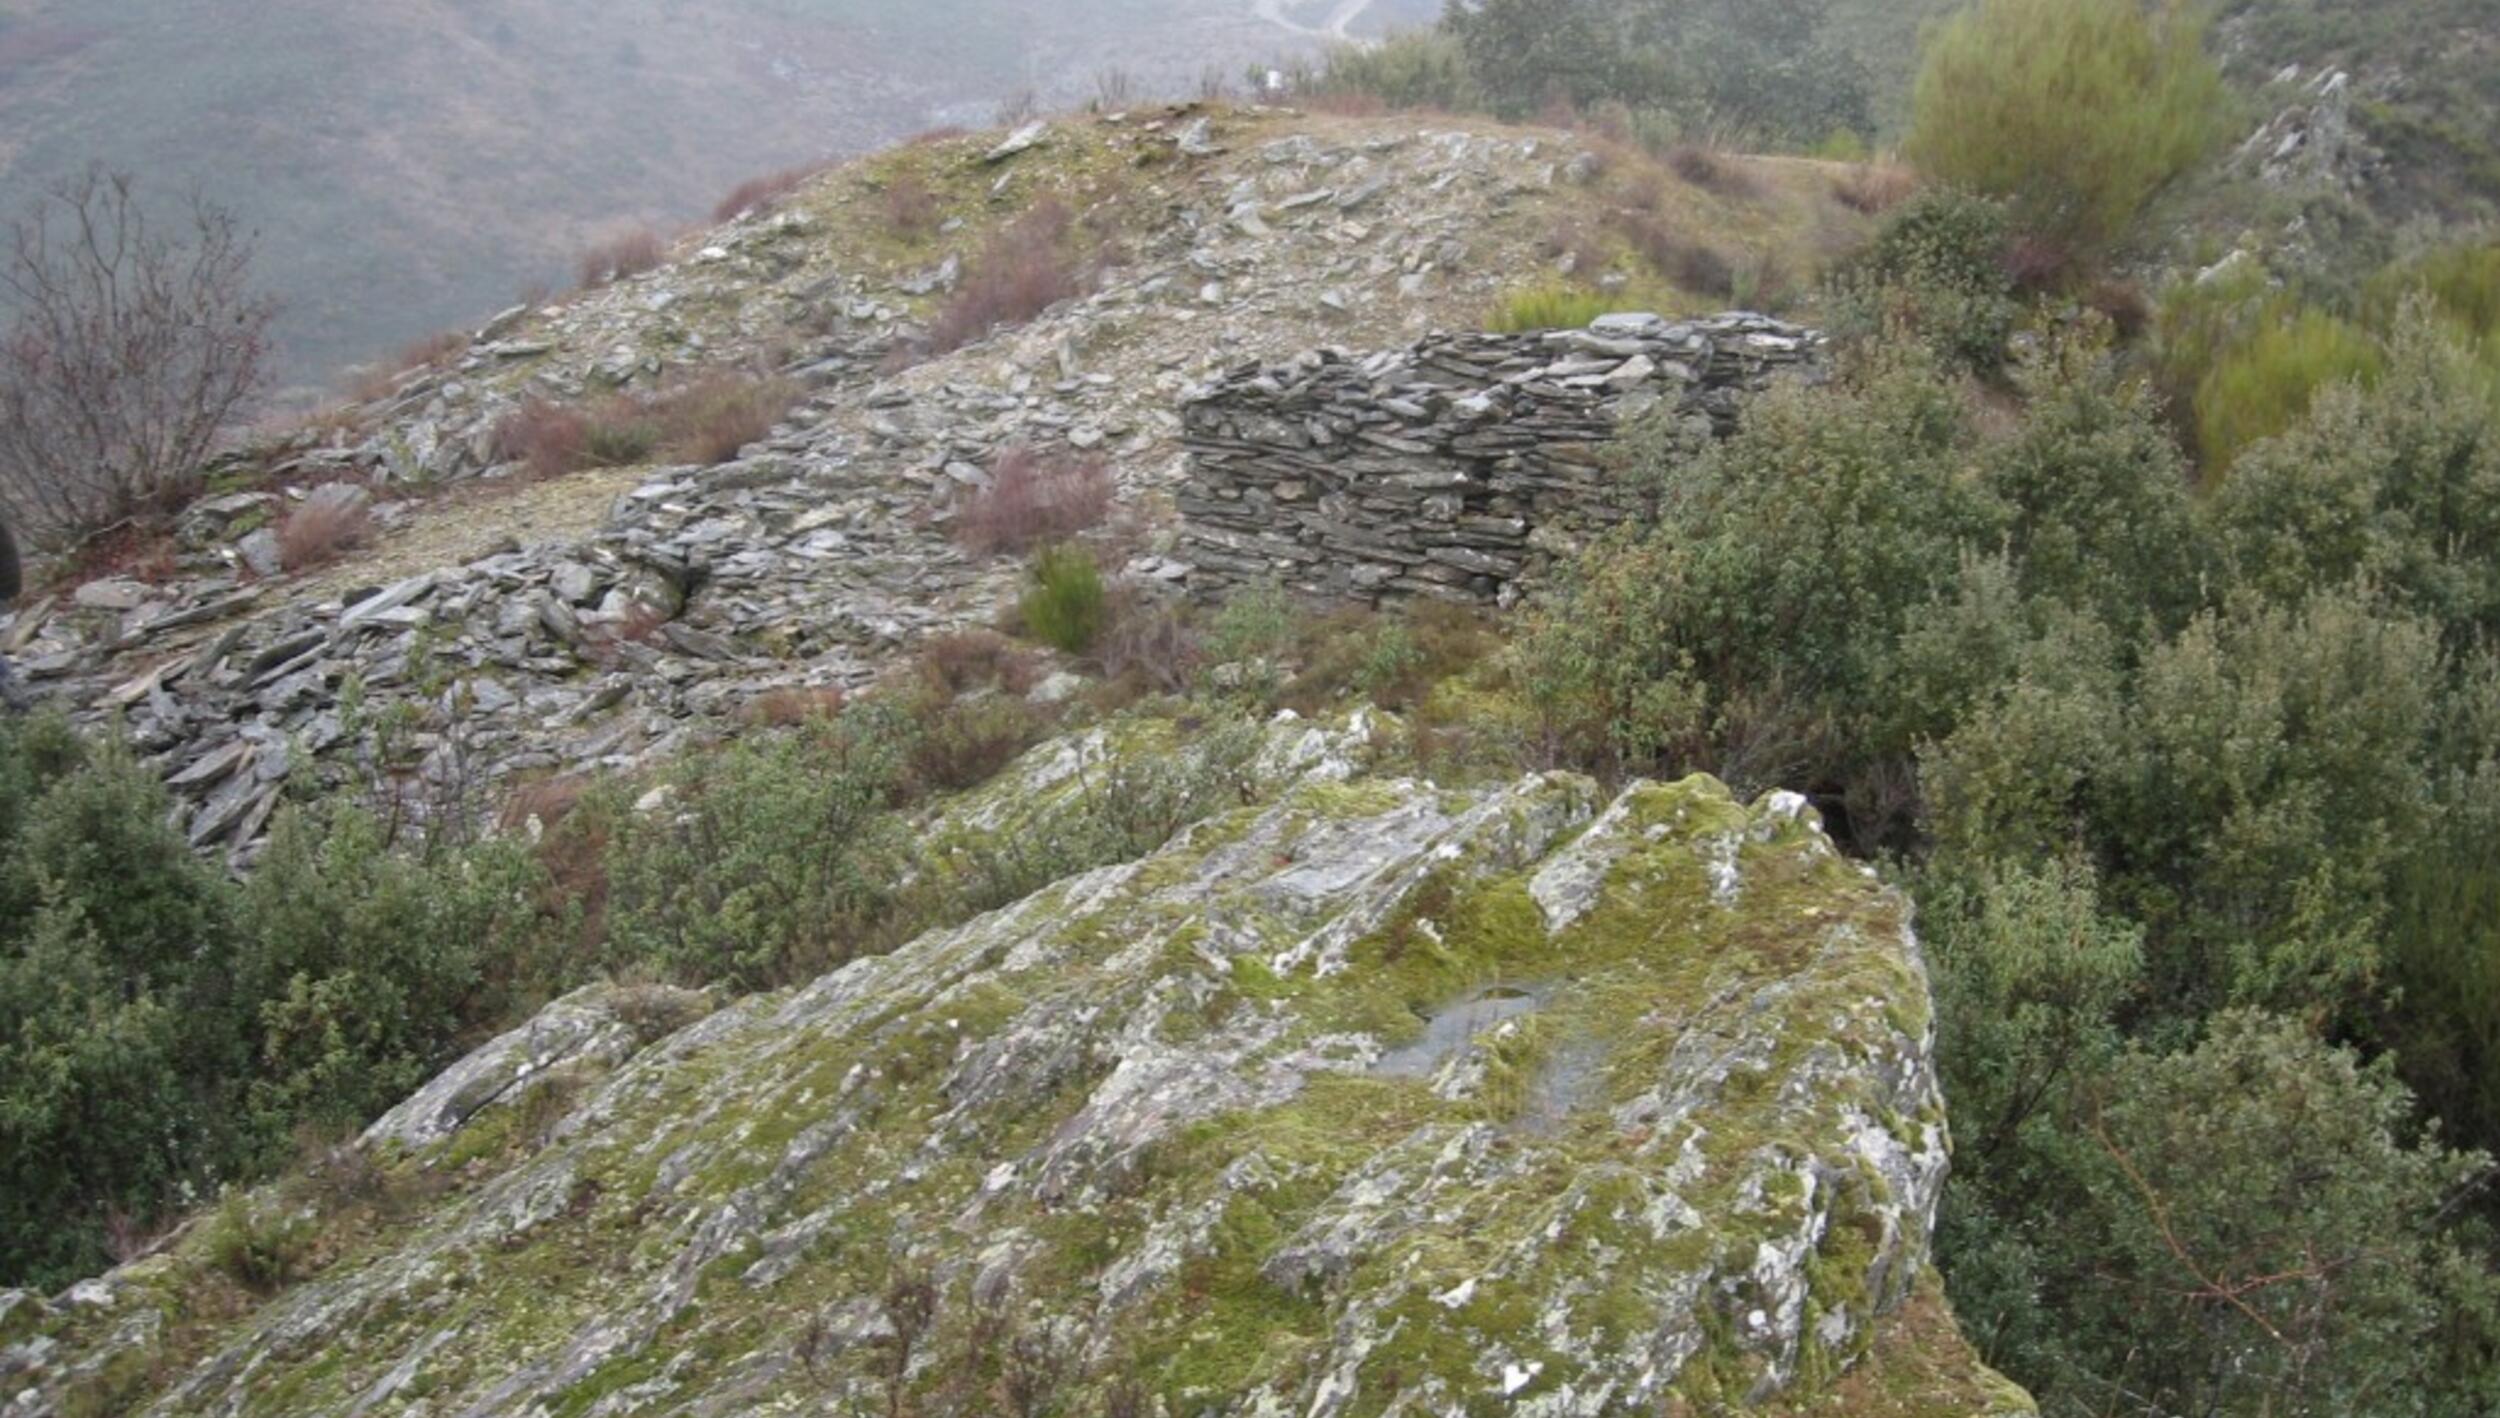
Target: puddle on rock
[
  {"x": 1454, "y": 1027},
  {"x": 1571, "y": 1075}
]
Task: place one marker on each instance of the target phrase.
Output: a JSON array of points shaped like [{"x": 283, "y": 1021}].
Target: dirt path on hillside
[{"x": 475, "y": 521}]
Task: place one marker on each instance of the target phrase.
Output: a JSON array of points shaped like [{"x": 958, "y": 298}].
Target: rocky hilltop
[
  {"x": 1370, "y": 1097},
  {"x": 608, "y": 618},
  {"x": 1367, "y": 1095}
]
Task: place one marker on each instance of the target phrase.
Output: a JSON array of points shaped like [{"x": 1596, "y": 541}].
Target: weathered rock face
[
  {"x": 1383, "y": 1098},
  {"x": 1456, "y": 468}
]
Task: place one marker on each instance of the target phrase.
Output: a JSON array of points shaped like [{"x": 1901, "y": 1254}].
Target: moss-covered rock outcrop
[{"x": 1379, "y": 1099}]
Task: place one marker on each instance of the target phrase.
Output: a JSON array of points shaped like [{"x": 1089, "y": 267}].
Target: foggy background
[{"x": 412, "y": 165}]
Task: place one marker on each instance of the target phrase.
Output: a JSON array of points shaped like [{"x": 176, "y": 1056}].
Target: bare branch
[{"x": 125, "y": 356}]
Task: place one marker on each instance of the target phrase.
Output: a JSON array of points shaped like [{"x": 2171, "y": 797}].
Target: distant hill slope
[
  {"x": 414, "y": 163},
  {"x": 2426, "y": 79}
]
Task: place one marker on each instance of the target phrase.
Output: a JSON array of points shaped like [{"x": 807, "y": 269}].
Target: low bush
[
  {"x": 1874, "y": 189},
  {"x": 1936, "y": 272},
  {"x": 1550, "y": 306},
  {"x": 1034, "y": 497},
  {"x": 758, "y": 196},
  {"x": 2265, "y": 384},
  {"x": 766, "y": 862},
  {"x": 622, "y": 256},
  {"x": 1692, "y": 265},
  {"x": 1065, "y": 606},
  {"x": 1030, "y": 265},
  {"x": 258, "y": 1244},
  {"x": 550, "y": 438},
  {"x": 706, "y": 420},
  {"x": 1713, "y": 171},
  {"x": 1411, "y": 69},
  {"x": 911, "y": 210},
  {"x": 323, "y": 530}
]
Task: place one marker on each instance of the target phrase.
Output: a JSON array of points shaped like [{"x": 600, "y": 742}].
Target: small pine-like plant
[
  {"x": 1065, "y": 606},
  {"x": 2266, "y": 384},
  {"x": 2076, "y": 111}
]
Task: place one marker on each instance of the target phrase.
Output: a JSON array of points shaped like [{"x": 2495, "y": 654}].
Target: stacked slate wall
[{"x": 1458, "y": 468}]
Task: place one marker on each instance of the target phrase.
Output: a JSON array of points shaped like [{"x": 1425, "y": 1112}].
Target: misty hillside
[
  {"x": 411, "y": 164},
  {"x": 1567, "y": 709}
]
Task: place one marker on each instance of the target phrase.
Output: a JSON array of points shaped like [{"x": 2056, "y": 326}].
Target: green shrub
[
  {"x": 1551, "y": 306},
  {"x": 2258, "y": 1232},
  {"x": 1065, "y": 606},
  {"x": 767, "y": 862},
  {"x": 2247, "y": 803},
  {"x": 371, "y": 969},
  {"x": 2396, "y": 484},
  {"x": 1409, "y": 69},
  {"x": 258, "y": 1243},
  {"x": 2097, "y": 498},
  {"x": 2461, "y": 283},
  {"x": 1759, "y": 616},
  {"x": 2076, "y": 111},
  {"x": 2265, "y": 384},
  {"x": 98, "y": 1112},
  {"x": 1936, "y": 270}
]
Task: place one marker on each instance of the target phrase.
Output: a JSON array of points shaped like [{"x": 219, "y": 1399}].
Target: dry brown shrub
[
  {"x": 1029, "y": 266},
  {"x": 1148, "y": 639},
  {"x": 628, "y": 254},
  {"x": 547, "y": 800},
  {"x": 911, "y": 209},
  {"x": 1034, "y": 497},
  {"x": 797, "y": 704},
  {"x": 1713, "y": 171},
  {"x": 551, "y": 438},
  {"x": 1694, "y": 266},
  {"x": 708, "y": 419},
  {"x": 762, "y": 195},
  {"x": 1875, "y": 188},
  {"x": 969, "y": 660},
  {"x": 321, "y": 531},
  {"x": 2124, "y": 304}
]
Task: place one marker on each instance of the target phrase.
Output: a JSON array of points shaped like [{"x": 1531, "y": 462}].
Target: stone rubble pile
[
  {"x": 706, "y": 589},
  {"x": 1456, "y": 468}
]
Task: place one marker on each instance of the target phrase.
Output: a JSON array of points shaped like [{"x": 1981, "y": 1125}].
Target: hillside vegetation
[{"x": 945, "y": 914}]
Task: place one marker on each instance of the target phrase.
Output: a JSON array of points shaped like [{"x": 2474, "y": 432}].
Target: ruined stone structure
[{"x": 1457, "y": 468}]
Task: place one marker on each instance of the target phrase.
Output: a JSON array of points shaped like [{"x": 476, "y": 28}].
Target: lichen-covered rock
[{"x": 1381, "y": 1099}]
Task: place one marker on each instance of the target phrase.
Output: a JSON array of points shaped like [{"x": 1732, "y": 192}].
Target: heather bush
[
  {"x": 2075, "y": 111},
  {"x": 1032, "y": 498},
  {"x": 1030, "y": 265},
  {"x": 624, "y": 255},
  {"x": 323, "y": 530},
  {"x": 707, "y": 419}
]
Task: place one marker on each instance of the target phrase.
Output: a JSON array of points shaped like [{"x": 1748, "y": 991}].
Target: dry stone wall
[{"x": 1457, "y": 468}]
